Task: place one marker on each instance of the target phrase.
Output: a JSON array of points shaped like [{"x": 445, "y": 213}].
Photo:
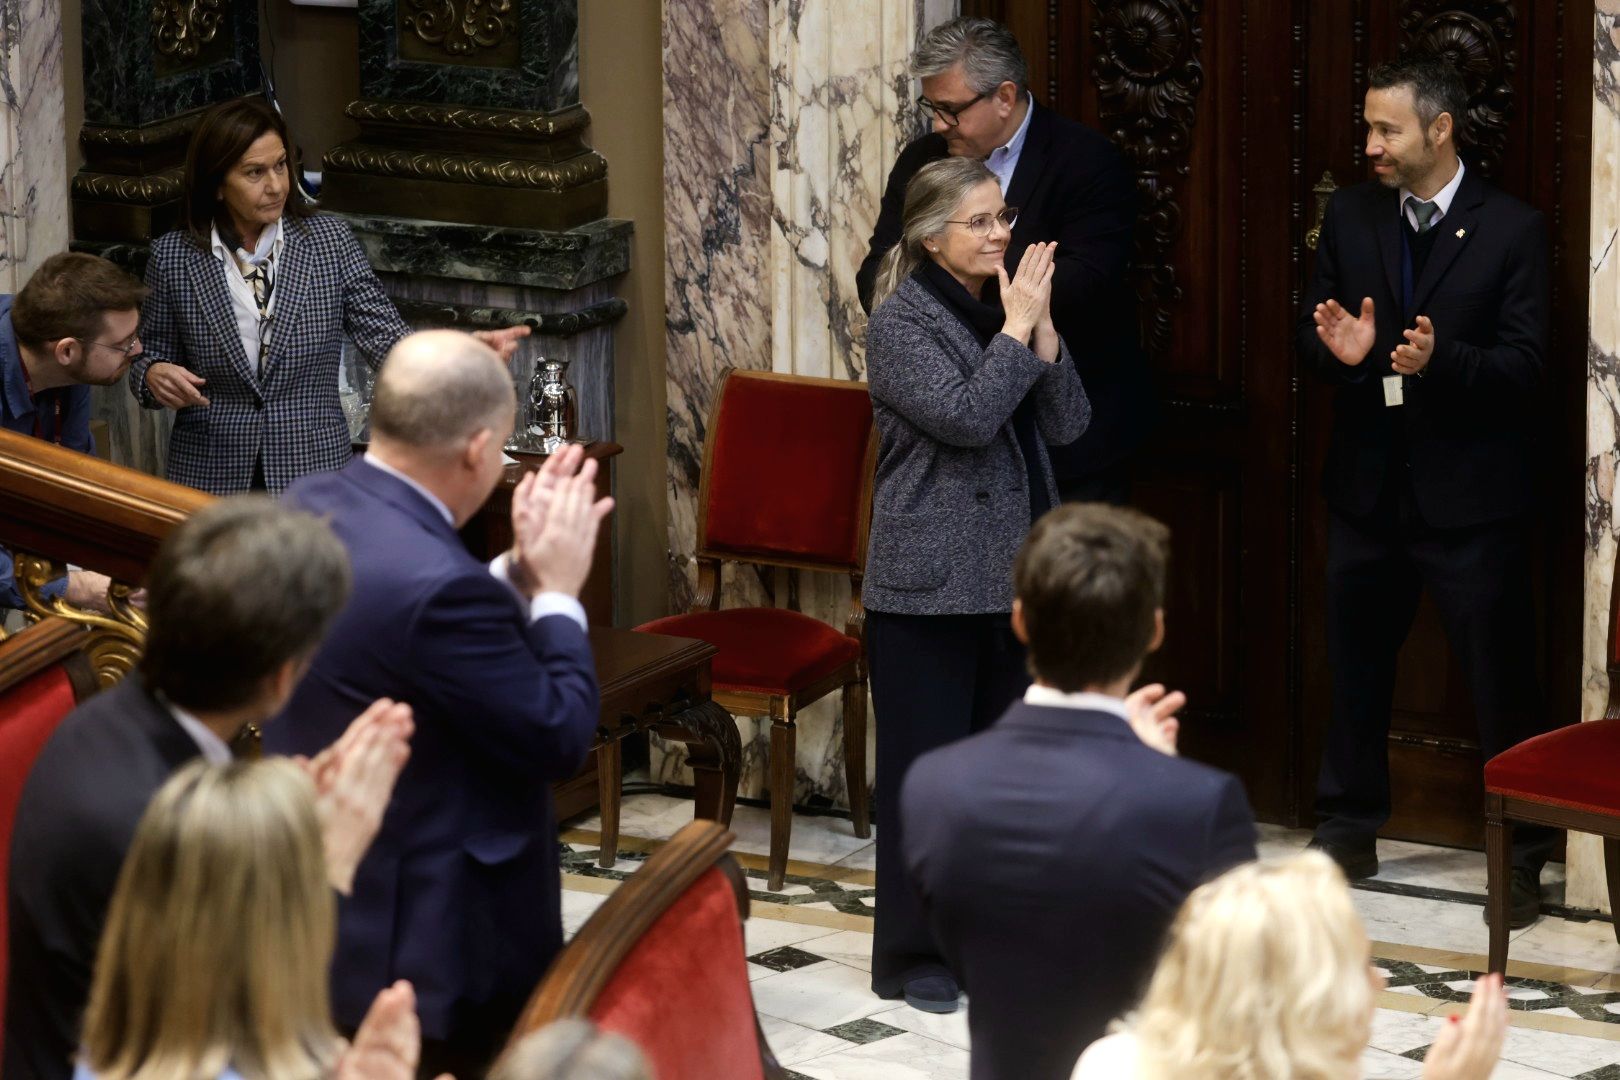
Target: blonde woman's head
[
  {"x": 940, "y": 200},
  {"x": 1265, "y": 976},
  {"x": 219, "y": 935}
]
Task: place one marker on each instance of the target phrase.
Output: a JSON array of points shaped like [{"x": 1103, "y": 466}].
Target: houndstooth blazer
[{"x": 290, "y": 414}]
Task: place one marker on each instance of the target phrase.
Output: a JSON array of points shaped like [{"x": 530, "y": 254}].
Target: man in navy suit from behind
[
  {"x": 460, "y": 892},
  {"x": 1052, "y": 850}
]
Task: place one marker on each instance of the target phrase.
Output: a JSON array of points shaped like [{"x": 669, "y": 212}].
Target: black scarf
[{"x": 984, "y": 321}]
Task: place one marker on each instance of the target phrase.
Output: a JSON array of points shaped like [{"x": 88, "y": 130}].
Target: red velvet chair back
[
  {"x": 662, "y": 963},
  {"x": 44, "y": 673},
  {"x": 787, "y": 472}
]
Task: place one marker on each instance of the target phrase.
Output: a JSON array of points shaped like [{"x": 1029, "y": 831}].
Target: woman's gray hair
[
  {"x": 572, "y": 1049},
  {"x": 931, "y": 198},
  {"x": 987, "y": 51}
]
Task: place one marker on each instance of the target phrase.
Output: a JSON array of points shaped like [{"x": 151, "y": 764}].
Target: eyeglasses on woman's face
[{"x": 982, "y": 225}]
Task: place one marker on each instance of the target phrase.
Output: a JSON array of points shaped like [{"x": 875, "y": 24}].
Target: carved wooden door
[{"x": 1231, "y": 113}]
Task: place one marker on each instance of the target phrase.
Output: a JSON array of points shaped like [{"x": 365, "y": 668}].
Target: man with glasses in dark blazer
[{"x": 1070, "y": 186}]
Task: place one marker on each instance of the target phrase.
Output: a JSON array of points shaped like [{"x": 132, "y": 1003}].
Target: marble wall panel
[
  {"x": 1586, "y": 884},
  {"x": 33, "y": 151},
  {"x": 779, "y": 138}
]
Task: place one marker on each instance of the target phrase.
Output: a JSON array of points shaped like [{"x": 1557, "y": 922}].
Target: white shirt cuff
[{"x": 543, "y": 604}]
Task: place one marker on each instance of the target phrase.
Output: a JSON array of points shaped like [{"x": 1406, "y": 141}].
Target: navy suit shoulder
[{"x": 75, "y": 821}]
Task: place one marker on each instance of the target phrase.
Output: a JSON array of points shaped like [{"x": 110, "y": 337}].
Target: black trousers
[
  {"x": 1111, "y": 485},
  {"x": 935, "y": 679},
  {"x": 1479, "y": 577}
]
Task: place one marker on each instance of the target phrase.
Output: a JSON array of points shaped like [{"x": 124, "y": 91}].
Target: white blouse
[{"x": 243, "y": 303}]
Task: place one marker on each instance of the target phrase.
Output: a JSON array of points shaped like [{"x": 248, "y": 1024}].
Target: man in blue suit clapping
[{"x": 460, "y": 892}]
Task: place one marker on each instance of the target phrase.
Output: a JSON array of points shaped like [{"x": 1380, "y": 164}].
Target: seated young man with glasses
[
  {"x": 71, "y": 327},
  {"x": 1072, "y": 187}
]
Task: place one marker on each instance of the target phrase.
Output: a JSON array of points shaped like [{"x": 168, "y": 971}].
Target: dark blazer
[
  {"x": 291, "y": 414},
  {"x": 1466, "y": 430},
  {"x": 1071, "y": 186},
  {"x": 75, "y": 822},
  {"x": 951, "y": 499},
  {"x": 460, "y": 891},
  {"x": 1051, "y": 852}
]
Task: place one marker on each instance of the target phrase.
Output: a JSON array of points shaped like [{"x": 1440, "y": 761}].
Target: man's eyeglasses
[
  {"x": 127, "y": 350},
  {"x": 950, "y": 114},
  {"x": 981, "y": 225}
]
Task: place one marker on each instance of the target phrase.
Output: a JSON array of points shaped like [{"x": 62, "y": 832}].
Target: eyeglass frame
[
  {"x": 1001, "y": 216},
  {"x": 951, "y": 115},
  {"x": 127, "y": 350}
]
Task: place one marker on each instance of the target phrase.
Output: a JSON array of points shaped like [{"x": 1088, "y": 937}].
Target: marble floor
[{"x": 809, "y": 951}]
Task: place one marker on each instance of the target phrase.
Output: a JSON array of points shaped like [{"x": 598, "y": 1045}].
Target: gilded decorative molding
[
  {"x": 467, "y": 169},
  {"x": 115, "y": 640},
  {"x": 107, "y": 137},
  {"x": 1478, "y": 40},
  {"x": 1148, "y": 76},
  {"x": 460, "y": 27},
  {"x": 145, "y": 190},
  {"x": 182, "y": 27},
  {"x": 459, "y": 118}
]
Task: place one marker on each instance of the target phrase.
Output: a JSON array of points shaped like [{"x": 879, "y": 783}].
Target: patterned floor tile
[{"x": 864, "y": 1031}]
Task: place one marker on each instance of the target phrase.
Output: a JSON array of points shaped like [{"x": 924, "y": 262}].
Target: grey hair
[
  {"x": 439, "y": 388},
  {"x": 987, "y": 51},
  {"x": 572, "y": 1049},
  {"x": 931, "y": 198}
]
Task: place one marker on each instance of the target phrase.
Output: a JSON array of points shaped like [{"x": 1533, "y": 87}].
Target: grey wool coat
[{"x": 951, "y": 502}]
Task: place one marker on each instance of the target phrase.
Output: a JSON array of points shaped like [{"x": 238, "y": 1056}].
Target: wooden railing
[{"x": 59, "y": 507}]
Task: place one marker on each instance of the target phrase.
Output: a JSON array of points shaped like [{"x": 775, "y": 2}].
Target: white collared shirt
[
  {"x": 1003, "y": 160},
  {"x": 214, "y": 749},
  {"x": 243, "y": 304},
  {"x": 1442, "y": 199},
  {"x": 541, "y": 604},
  {"x": 1052, "y": 697}
]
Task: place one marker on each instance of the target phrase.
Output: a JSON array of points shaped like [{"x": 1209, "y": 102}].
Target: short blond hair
[
  {"x": 219, "y": 935},
  {"x": 1264, "y": 977}
]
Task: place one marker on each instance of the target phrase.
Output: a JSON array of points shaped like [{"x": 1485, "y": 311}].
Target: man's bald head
[{"x": 437, "y": 389}]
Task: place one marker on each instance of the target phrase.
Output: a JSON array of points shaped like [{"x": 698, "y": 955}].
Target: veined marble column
[
  {"x": 1587, "y": 888},
  {"x": 779, "y": 135},
  {"x": 33, "y": 150}
]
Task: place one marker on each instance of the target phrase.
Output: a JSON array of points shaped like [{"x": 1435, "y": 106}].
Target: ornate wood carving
[
  {"x": 466, "y": 168},
  {"x": 115, "y": 640},
  {"x": 180, "y": 28},
  {"x": 1478, "y": 39},
  {"x": 518, "y": 123},
  {"x": 461, "y": 27},
  {"x": 1148, "y": 75}
]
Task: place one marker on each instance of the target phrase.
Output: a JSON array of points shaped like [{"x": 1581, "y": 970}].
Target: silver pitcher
[{"x": 553, "y": 406}]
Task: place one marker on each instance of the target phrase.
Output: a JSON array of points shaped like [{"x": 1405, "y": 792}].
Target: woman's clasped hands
[{"x": 1026, "y": 298}]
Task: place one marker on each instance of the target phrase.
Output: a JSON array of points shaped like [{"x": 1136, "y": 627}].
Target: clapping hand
[
  {"x": 388, "y": 1044},
  {"x": 1347, "y": 337},
  {"x": 555, "y": 518},
  {"x": 1412, "y": 357},
  {"x": 503, "y": 341},
  {"x": 1468, "y": 1048},
  {"x": 354, "y": 778},
  {"x": 1027, "y": 297},
  {"x": 1152, "y": 711}
]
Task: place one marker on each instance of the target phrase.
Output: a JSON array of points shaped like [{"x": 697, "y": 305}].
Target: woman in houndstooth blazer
[{"x": 250, "y": 299}]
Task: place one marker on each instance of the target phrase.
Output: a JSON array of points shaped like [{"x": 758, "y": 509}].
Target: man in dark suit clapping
[
  {"x": 1428, "y": 313},
  {"x": 1051, "y": 851},
  {"x": 1069, "y": 185}
]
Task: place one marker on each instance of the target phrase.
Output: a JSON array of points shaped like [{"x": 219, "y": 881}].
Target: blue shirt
[
  {"x": 1003, "y": 160},
  {"x": 60, "y": 415}
]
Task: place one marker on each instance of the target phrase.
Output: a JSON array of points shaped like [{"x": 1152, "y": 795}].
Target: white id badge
[{"x": 1393, "y": 392}]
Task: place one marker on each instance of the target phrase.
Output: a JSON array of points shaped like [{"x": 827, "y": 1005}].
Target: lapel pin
[{"x": 1461, "y": 233}]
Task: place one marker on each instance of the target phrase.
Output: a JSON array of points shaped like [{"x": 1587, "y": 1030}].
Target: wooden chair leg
[
  {"x": 860, "y": 812},
  {"x": 1498, "y": 876},
  {"x": 1611, "y": 868},
  {"x": 784, "y": 770},
  {"x": 608, "y": 783}
]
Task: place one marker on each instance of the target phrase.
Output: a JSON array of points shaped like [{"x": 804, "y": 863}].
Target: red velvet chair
[
  {"x": 662, "y": 963},
  {"x": 787, "y": 481},
  {"x": 1566, "y": 778},
  {"x": 44, "y": 673}
]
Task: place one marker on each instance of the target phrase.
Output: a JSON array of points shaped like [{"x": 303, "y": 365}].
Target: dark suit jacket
[
  {"x": 1468, "y": 423},
  {"x": 75, "y": 821},
  {"x": 1071, "y": 186},
  {"x": 460, "y": 891},
  {"x": 1051, "y": 852}
]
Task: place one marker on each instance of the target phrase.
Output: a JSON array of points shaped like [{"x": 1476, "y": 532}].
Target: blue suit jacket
[
  {"x": 290, "y": 413},
  {"x": 1051, "y": 852},
  {"x": 460, "y": 891}
]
